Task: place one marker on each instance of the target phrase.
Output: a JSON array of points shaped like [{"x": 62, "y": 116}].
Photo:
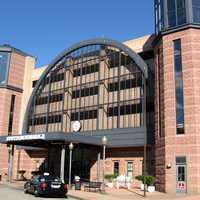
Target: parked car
[{"x": 46, "y": 185}]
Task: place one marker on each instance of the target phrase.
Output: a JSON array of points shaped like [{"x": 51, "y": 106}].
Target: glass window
[
  {"x": 85, "y": 92},
  {"x": 91, "y": 114},
  {"x": 124, "y": 109},
  {"x": 12, "y": 108},
  {"x": 3, "y": 66},
  {"x": 116, "y": 168},
  {"x": 196, "y": 11},
  {"x": 130, "y": 169},
  {"x": 159, "y": 14},
  {"x": 176, "y": 12},
  {"x": 179, "y": 87},
  {"x": 86, "y": 70}
]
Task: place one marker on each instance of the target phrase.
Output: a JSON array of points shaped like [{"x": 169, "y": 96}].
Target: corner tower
[{"x": 177, "y": 110}]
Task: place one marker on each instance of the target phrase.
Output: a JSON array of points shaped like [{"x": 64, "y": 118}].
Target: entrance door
[{"x": 181, "y": 178}]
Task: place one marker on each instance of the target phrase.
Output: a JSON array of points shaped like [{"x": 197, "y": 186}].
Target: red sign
[{"x": 181, "y": 185}]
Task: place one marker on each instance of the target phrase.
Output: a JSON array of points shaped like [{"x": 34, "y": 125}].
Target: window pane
[
  {"x": 196, "y": 11},
  {"x": 179, "y": 87},
  {"x": 176, "y": 12},
  {"x": 116, "y": 168},
  {"x": 3, "y": 66}
]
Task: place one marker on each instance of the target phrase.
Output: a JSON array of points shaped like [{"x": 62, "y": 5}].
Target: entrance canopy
[
  {"x": 116, "y": 138},
  {"x": 45, "y": 139}
]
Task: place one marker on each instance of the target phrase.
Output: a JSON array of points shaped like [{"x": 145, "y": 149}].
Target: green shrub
[
  {"x": 149, "y": 180},
  {"x": 110, "y": 177}
]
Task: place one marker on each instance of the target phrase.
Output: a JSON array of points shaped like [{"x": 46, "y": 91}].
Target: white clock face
[{"x": 76, "y": 126}]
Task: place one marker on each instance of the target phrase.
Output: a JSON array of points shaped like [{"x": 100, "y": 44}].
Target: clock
[{"x": 76, "y": 126}]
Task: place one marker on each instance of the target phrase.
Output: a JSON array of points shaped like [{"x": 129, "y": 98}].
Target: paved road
[{"x": 11, "y": 193}]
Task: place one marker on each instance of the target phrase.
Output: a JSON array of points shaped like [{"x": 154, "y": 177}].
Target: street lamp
[
  {"x": 71, "y": 146},
  {"x": 104, "y": 142},
  {"x": 145, "y": 133}
]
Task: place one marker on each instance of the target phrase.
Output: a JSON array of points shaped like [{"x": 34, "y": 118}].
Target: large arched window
[{"x": 98, "y": 83}]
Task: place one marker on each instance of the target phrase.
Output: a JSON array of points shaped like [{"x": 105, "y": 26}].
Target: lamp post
[
  {"x": 104, "y": 142},
  {"x": 145, "y": 133},
  {"x": 71, "y": 146}
]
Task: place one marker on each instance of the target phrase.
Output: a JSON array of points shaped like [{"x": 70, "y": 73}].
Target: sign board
[
  {"x": 181, "y": 185},
  {"x": 25, "y": 137}
]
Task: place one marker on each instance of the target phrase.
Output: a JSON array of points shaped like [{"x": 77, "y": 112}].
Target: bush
[
  {"x": 149, "y": 180},
  {"x": 110, "y": 177}
]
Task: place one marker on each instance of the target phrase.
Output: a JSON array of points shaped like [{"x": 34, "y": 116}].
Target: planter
[
  {"x": 142, "y": 187},
  {"x": 110, "y": 184},
  {"x": 151, "y": 188}
]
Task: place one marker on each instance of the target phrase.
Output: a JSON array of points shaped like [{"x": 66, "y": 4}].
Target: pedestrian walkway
[
  {"x": 124, "y": 194},
  {"x": 114, "y": 194}
]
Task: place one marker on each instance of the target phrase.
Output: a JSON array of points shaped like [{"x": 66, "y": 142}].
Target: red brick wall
[
  {"x": 122, "y": 155},
  {"x": 16, "y": 70},
  {"x": 5, "y": 99},
  {"x": 174, "y": 145},
  {"x": 15, "y": 78}
]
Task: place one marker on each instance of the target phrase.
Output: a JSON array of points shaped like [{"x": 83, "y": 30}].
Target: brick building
[{"x": 143, "y": 95}]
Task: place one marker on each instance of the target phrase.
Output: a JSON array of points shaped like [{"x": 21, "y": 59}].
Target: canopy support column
[
  {"x": 62, "y": 163},
  {"x": 10, "y": 162}
]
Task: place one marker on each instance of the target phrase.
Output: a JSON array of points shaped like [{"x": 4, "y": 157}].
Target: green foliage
[
  {"x": 110, "y": 177},
  {"x": 149, "y": 180}
]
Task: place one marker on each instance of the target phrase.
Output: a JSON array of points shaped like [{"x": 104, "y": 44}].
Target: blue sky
[{"x": 44, "y": 28}]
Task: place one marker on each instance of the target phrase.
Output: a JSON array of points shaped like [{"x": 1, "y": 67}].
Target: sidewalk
[
  {"x": 113, "y": 194},
  {"x": 124, "y": 194}
]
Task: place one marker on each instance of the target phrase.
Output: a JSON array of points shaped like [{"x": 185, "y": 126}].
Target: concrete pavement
[{"x": 15, "y": 191}]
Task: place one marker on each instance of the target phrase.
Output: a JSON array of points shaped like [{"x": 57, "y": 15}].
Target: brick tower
[{"x": 177, "y": 97}]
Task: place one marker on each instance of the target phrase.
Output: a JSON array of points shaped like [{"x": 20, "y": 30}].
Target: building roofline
[{"x": 9, "y": 48}]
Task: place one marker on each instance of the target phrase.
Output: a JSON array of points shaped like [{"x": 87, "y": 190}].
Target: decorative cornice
[{"x": 11, "y": 87}]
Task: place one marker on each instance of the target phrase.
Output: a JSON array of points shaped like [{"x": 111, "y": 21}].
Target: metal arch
[{"x": 99, "y": 41}]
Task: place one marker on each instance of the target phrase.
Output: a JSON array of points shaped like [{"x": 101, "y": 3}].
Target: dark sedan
[{"x": 46, "y": 185}]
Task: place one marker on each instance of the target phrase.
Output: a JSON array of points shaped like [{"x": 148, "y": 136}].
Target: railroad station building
[{"x": 142, "y": 94}]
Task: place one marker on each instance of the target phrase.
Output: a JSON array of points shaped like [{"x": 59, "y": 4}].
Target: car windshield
[{"x": 50, "y": 178}]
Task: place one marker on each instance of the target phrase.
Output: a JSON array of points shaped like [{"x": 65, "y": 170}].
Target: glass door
[{"x": 181, "y": 186}]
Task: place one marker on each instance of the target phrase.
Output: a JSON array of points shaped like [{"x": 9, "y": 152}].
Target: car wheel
[
  {"x": 36, "y": 193},
  {"x": 25, "y": 191}
]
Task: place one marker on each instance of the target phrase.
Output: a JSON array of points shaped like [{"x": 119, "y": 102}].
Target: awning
[
  {"x": 119, "y": 137},
  {"x": 45, "y": 139}
]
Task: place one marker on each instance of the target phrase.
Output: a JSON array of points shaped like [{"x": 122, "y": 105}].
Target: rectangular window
[
  {"x": 51, "y": 119},
  {"x": 4, "y": 57},
  {"x": 12, "y": 108},
  {"x": 52, "y": 99},
  {"x": 179, "y": 87},
  {"x": 84, "y": 115},
  {"x": 85, "y": 92},
  {"x": 34, "y": 83},
  {"x": 116, "y": 168},
  {"x": 130, "y": 169},
  {"x": 176, "y": 12},
  {"x": 86, "y": 70},
  {"x": 56, "y": 77},
  {"x": 196, "y": 11},
  {"x": 124, "y": 110}
]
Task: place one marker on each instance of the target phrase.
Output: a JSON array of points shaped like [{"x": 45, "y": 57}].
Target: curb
[{"x": 75, "y": 197}]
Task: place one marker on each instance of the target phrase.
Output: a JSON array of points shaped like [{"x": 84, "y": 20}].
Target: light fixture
[
  {"x": 104, "y": 140},
  {"x": 169, "y": 165},
  {"x": 71, "y": 146}
]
